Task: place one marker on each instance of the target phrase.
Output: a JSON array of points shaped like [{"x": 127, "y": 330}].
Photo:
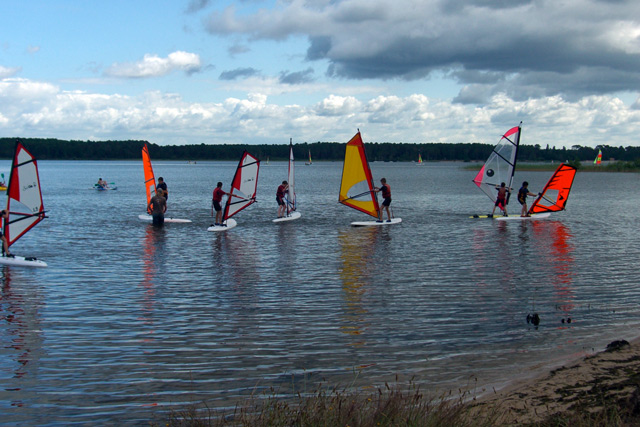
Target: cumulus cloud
[
  {"x": 154, "y": 66},
  {"x": 32, "y": 108},
  {"x": 574, "y": 42}
]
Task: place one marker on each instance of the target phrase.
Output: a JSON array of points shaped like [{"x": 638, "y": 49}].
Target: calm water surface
[{"x": 129, "y": 321}]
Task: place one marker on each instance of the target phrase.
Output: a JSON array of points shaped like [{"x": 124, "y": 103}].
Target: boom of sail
[
  {"x": 243, "y": 186},
  {"x": 501, "y": 164},
  {"x": 24, "y": 197},
  {"x": 356, "y": 187},
  {"x": 555, "y": 194}
]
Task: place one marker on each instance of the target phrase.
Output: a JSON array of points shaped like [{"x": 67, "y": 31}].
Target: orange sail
[
  {"x": 149, "y": 178},
  {"x": 555, "y": 194}
]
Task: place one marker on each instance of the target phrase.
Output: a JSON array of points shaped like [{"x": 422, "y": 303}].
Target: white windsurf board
[
  {"x": 524, "y": 218},
  {"x": 22, "y": 261},
  {"x": 291, "y": 217},
  {"x": 149, "y": 218},
  {"x": 228, "y": 225},
  {"x": 376, "y": 223}
]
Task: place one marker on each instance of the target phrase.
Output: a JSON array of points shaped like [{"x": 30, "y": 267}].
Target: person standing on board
[
  {"x": 501, "y": 200},
  {"x": 163, "y": 186},
  {"x": 282, "y": 204},
  {"x": 158, "y": 206},
  {"x": 217, "y": 202},
  {"x": 4, "y": 216},
  {"x": 522, "y": 198},
  {"x": 386, "y": 198}
]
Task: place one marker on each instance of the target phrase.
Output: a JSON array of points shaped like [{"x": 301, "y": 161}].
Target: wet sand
[{"x": 610, "y": 378}]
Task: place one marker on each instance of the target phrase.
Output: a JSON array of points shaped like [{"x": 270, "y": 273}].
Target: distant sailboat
[
  {"x": 242, "y": 193},
  {"x": 150, "y": 187},
  {"x": 420, "y": 159},
  {"x": 290, "y": 196},
  {"x": 598, "y": 158},
  {"x": 356, "y": 186},
  {"x": 24, "y": 204},
  {"x": 309, "y": 162}
]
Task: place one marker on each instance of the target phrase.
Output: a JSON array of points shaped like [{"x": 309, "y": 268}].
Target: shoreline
[{"x": 590, "y": 384}]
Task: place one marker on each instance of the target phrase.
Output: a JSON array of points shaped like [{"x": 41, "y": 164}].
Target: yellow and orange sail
[{"x": 356, "y": 187}]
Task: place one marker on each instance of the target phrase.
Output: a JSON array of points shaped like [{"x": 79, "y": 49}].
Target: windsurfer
[
  {"x": 217, "y": 199},
  {"x": 163, "y": 186},
  {"x": 282, "y": 205},
  {"x": 4, "y": 216},
  {"x": 522, "y": 198},
  {"x": 386, "y": 196},
  {"x": 501, "y": 200},
  {"x": 158, "y": 206}
]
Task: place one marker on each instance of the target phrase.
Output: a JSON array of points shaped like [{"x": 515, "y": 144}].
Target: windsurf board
[
  {"x": 524, "y": 218},
  {"x": 149, "y": 218},
  {"x": 376, "y": 223},
  {"x": 290, "y": 217},
  {"x": 22, "y": 261},
  {"x": 230, "y": 223}
]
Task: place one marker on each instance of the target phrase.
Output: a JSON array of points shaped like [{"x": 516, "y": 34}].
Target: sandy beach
[{"x": 610, "y": 378}]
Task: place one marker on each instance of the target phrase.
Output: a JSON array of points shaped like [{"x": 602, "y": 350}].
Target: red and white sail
[
  {"x": 243, "y": 186},
  {"x": 24, "y": 197}
]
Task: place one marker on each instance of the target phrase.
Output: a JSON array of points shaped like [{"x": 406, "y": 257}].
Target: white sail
[{"x": 501, "y": 164}]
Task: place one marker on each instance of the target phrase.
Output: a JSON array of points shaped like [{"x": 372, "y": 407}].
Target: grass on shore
[{"x": 398, "y": 406}]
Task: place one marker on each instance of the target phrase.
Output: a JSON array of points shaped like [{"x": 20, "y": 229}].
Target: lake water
[{"x": 129, "y": 321}]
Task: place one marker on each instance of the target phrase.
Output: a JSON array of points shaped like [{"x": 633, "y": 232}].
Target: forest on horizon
[{"x": 56, "y": 149}]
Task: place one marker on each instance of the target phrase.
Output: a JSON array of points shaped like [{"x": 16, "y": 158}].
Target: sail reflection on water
[{"x": 357, "y": 253}]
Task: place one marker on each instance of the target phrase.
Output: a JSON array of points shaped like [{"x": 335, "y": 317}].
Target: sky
[{"x": 176, "y": 72}]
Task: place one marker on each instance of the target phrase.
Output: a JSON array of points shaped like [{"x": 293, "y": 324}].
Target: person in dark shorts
[
  {"x": 217, "y": 202},
  {"x": 282, "y": 204},
  {"x": 158, "y": 206},
  {"x": 386, "y": 198},
  {"x": 4, "y": 216},
  {"x": 163, "y": 186},
  {"x": 522, "y": 198}
]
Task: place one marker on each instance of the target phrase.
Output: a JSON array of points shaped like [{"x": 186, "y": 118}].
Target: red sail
[{"x": 555, "y": 194}]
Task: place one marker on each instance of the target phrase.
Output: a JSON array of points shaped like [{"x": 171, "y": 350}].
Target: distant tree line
[{"x": 56, "y": 149}]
